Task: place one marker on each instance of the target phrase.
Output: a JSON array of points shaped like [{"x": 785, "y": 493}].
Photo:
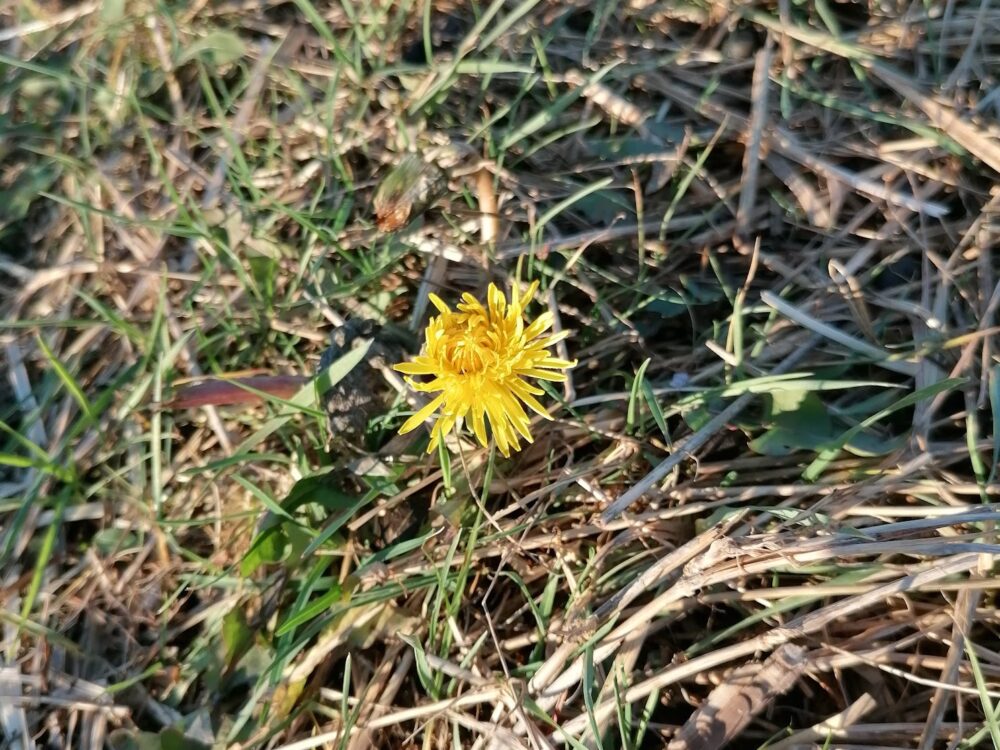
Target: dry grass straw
[{"x": 765, "y": 511}]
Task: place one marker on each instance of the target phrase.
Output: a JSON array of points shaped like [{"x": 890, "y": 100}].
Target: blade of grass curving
[
  {"x": 971, "y": 440},
  {"x": 632, "y": 413},
  {"x": 989, "y": 711},
  {"x": 566, "y": 203},
  {"x": 68, "y": 381},
  {"x": 317, "y": 21},
  {"x": 42, "y": 460},
  {"x": 45, "y": 553},
  {"x": 265, "y": 498},
  {"x": 538, "y": 121},
  {"x": 501, "y": 27},
  {"x": 686, "y": 180},
  {"x": 995, "y": 411},
  {"x": 445, "y": 77},
  {"x": 589, "y": 686}
]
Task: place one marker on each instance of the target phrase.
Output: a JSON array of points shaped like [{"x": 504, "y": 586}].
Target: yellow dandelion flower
[{"x": 479, "y": 359}]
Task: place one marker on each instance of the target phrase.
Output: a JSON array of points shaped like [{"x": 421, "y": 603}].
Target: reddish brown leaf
[{"x": 234, "y": 391}]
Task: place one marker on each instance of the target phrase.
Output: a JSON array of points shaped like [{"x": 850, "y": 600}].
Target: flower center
[{"x": 470, "y": 353}]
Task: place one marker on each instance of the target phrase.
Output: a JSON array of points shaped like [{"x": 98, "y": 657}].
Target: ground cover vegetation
[{"x": 760, "y": 237}]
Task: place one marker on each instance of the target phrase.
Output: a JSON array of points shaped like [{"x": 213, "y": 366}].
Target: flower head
[{"x": 479, "y": 359}]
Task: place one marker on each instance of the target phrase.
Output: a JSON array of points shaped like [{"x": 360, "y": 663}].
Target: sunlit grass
[{"x": 797, "y": 404}]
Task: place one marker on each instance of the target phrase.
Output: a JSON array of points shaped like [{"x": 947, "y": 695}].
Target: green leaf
[
  {"x": 697, "y": 416},
  {"x": 334, "y": 525},
  {"x": 128, "y": 739},
  {"x": 623, "y": 148},
  {"x": 218, "y": 48},
  {"x": 318, "y": 488},
  {"x": 668, "y": 307},
  {"x": 395, "y": 550},
  {"x": 995, "y": 409},
  {"x": 816, "y": 468},
  {"x": 264, "y": 496},
  {"x": 444, "y": 458},
  {"x": 299, "y": 538},
  {"x": 268, "y": 547},
  {"x": 112, "y": 11},
  {"x": 236, "y": 634},
  {"x": 68, "y": 381},
  {"x": 45, "y": 553},
  {"x": 167, "y": 739},
  {"x": 18, "y": 462},
  {"x": 799, "y": 409},
  {"x": 604, "y": 207},
  {"x": 424, "y": 672},
  {"x": 327, "y": 600},
  {"x": 801, "y": 422},
  {"x": 16, "y": 200},
  {"x": 632, "y": 413},
  {"x": 870, "y": 444},
  {"x": 284, "y": 536},
  {"x": 568, "y": 201},
  {"x": 548, "y": 115},
  {"x": 264, "y": 271},
  {"x": 113, "y": 539},
  {"x": 174, "y": 739},
  {"x": 649, "y": 396}
]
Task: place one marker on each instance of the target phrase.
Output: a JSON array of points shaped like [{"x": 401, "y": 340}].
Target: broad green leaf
[
  {"x": 174, "y": 739},
  {"x": 604, "y": 207},
  {"x": 113, "y": 539},
  {"x": 321, "y": 488},
  {"x": 236, "y": 634},
  {"x": 167, "y": 739},
  {"x": 112, "y": 11},
  {"x": 268, "y": 547},
  {"x": 28, "y": 186},
  {"x": 816, "y": 468},
  {"x": 869, "y": 444},
  {"x": 217, "y": 48},
  {"x": 801, "y": 422}
]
